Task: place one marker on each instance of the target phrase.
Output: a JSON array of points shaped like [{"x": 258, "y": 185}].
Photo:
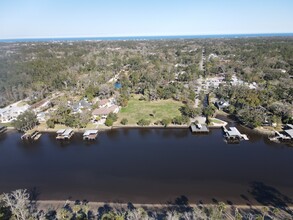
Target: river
[{"x": 149, "y": 166}]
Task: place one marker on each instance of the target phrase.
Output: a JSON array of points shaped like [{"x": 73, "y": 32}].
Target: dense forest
[{"x": 159, "y": 69}]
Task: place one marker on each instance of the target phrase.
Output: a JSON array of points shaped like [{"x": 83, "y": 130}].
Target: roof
[
  {"x": 103, "y": 101},
  {"x": 61, "y": 131},
  {"x": 233, "y": 132},
  {"x": 89, "y": 132},
  {"x": 67, "y": 132},
  {"x": 289, "y": 126},
  {"x": 289, "y": 132},
  {"x": 105, "y": 110}
]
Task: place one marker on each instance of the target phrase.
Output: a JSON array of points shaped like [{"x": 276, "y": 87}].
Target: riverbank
[{"x": 182, "y": 207}]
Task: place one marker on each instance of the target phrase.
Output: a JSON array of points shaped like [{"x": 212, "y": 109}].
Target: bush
[
  {"x": 166, "y": 121},
  {"x": 180, "y": 120},
  {"x": 109, "y": 122},
  {"x": 143, "y": 122},
  {"x": 50, "y": 123},
  {"x": 124, "y": 121}
]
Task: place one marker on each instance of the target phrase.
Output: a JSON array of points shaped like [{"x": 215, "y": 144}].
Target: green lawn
[{"x": 137, "y": 110}]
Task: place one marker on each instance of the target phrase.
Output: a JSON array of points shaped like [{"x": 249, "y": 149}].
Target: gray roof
[
  {"x": 233, "y": 132},
  {"x": 289, "y": 132}
]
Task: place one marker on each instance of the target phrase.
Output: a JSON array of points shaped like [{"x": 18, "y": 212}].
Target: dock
[
  {"x": 199, "y": 128},
  {"x": 64, "y": 134},
  {"x": 3, "y": 129},
  {"x": 232, "y": 134},
  {"x": 31, "y": 135},
  {"x": 285, "y": 135},
  {"x": 90, "y": 134}
]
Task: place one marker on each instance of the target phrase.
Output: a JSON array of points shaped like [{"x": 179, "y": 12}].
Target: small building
[
  {"x": 289, "y": 133},
  {"x": 233, "y": 134},
  {"x": 31, "y": 135},
  {"x": 90, "y": 134},
  {"x": 3, "y": 129},
  {"x": 64, "y": 134},
  {"x": 222, "y": 104},
  {"x": 199, "y": 128}
]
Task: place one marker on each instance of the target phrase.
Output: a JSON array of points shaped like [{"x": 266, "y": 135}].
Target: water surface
[{"x": 148, "y": 166}]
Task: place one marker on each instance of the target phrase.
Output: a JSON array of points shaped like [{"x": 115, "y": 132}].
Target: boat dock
[
  {"x": 3, "y": 129},
  {"x": 31, "y": 135},
  {"x": 90, "y": 134},
  {"x": 64, "y": 134},
  {"x": 285, "y": 135},
  {"x": 232, "y": 134},
  {"x": 199, "y": 128}
]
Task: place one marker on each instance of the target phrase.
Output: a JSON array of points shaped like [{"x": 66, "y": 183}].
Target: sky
[{"x": 106, "y": 18}]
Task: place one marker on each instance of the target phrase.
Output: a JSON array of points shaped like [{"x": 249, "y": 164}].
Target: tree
[
  {"x": 19, "y": 204},
  {"x": 25, "y": 121},
  {"x": 50, "y": 123},
  {"x": 109, "y": 122}
]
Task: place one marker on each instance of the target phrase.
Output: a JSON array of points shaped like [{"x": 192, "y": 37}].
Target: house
[
  {"x": 80, "y": 106},
  {"x": 11, "y": 112},
  {"x": 105, "y": 103},
  {"x": 222, "y": 104},
  {"x": 104, "y": 111}
]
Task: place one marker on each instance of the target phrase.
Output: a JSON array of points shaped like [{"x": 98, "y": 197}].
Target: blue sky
[{"x": 77, "y": 18}]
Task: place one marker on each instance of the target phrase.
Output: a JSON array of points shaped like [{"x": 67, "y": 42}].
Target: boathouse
[
  {"x": 90, "y": 134},
  {"x": 199, "y": 128},
  {"x": 3, "y": 129},
  {"x": 64, "y": 134},
  {"x": 233, "y": 134},
  {"x": 31, "y": 135}
]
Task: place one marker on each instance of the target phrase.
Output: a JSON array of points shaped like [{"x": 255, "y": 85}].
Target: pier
[
  {"x": 199, "y": 128},
  {"x": 64, "y": 134},
  {"x": 233, "y": 135},
  {"x": 31, "y": 135},
  {"x": 90, "y": 134}
]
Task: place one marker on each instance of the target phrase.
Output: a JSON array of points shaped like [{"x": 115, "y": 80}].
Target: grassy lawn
[{"x": 137, "y": 110}]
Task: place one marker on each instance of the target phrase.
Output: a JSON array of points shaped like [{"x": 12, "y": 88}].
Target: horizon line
[{"x": 133, "y": 36}]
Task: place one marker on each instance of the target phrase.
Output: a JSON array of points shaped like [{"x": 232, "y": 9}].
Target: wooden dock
[
  {"x": 90, "y": 135},
  {"x": 31, "y": 135},
  {"x": 199, "y": 128},
  {"x": 64, "y": 134}
]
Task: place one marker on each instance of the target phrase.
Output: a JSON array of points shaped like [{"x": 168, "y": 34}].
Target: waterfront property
[
  {"x": 199, "y": 128},
  {"x": 232, "y": 134},
  {"x": 11, "y": 112},
  {"x": 90, "y": 134},
  {"x": 31, "y": 135},
  {"x": 64, "y": 134}
]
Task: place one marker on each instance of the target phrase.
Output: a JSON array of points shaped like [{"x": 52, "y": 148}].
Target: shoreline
[{"x": 48, "y": 204}]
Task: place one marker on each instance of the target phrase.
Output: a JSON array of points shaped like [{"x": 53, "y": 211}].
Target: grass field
[{"x": 153, "y": 111}]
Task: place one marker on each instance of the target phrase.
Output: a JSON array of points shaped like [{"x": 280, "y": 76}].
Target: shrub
[
  {"x": 112, "y": 116},
  {"x": 143, "y": 122},
  {"x": 124, "y": 121},
  {"x": 166, "y": 121}
]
